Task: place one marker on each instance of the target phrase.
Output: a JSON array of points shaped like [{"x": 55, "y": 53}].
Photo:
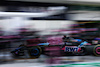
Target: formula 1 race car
[{"x": 77, "y": 47}]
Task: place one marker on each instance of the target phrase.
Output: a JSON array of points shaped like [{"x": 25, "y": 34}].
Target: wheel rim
[
  {"x": 96, "y": 50},
  {"x": 34, "y": 52}
]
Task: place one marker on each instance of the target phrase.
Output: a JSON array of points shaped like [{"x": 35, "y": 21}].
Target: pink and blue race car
[{"x": 56, "y": 47}]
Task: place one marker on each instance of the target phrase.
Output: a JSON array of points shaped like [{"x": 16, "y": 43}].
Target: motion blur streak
[{"x": 54, "y": 33}]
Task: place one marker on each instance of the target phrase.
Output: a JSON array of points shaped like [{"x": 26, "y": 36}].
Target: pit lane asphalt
[{"x": 7, "y": 56}]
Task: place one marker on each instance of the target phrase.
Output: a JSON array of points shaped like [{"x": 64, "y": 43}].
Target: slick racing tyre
[
  {"x": 35, "y": 52},
  {"x": 96, "y": 50}
]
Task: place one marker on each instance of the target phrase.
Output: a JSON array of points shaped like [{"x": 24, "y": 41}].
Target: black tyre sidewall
[
  {"x": 33, "y": 48},
  {"x": 94, "y": 50}
]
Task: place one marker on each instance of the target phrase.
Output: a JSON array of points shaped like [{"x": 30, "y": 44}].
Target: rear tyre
[
  {"x": 35, "y": 52},
  {"x": 96, "y": 50}
]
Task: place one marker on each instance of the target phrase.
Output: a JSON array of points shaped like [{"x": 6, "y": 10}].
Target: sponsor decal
[{"x": 71, "y": 49}]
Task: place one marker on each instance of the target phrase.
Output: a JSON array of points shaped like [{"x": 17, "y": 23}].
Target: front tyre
[{"x": 35, "y": 52}]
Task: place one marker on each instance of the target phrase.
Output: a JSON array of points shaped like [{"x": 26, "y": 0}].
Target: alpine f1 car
[{"x": 38, "y": 47}]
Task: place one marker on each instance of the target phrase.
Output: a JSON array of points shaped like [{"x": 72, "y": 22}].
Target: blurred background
[{"x": 23, "y": 21}]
